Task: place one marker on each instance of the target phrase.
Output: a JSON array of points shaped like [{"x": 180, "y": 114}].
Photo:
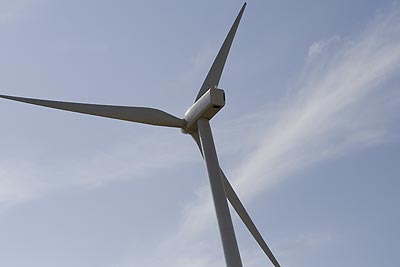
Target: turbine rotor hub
[{"x": 205, "y": 107}]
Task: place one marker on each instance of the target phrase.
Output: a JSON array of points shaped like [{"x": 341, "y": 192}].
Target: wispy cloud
[
  {"x": 18, "y": 182},
  {"x": 27, "y": 179},
  {"x": 344, "y": 100},
  {"x": 317, "y": 48},
  {"x": 14, "y": 10}
]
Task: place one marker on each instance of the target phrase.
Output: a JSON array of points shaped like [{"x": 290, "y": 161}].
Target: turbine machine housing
[{"x": 205, "y": 107}]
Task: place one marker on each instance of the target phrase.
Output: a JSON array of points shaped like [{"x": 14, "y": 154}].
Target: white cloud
[
  {"x": 317, "y": 48},
  {"x": 344, "y": 101},
  {"x": 18, "y": 182},
  {"x": 24, "y": 180},
  {"x": 14, "y": 10}
]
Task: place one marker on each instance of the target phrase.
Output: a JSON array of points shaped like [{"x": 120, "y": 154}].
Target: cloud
[
  {"x": 344, "y": 100},
  {"x": 317, "y": 48},
  {"x": 14, "y": 10},
  {"x": 18, "y": 182},
  {"x": 23, "y": 180}
]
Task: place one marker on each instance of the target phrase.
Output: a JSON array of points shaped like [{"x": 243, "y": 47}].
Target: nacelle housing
[{"x": 206, "y": 107}]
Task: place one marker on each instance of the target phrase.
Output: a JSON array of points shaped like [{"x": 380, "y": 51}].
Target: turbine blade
[
  {"x": 244, "y": 215},
  {"x": 134, "y": 114},
  {"x": 217, "y": 67},
  {"x": 241, "y": 211}
]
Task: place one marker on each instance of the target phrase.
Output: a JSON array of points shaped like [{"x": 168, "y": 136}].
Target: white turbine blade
[
  {"x": 225, "y": 224},
  {"x": 241, "y": 211},
  {"x": 217, "y": 67},
  {"x": 244, "y": 215},
  {"x": 135, "y": 114}
]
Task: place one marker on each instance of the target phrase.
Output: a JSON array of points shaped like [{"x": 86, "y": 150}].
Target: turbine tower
[{"x": 209, "y": 101}]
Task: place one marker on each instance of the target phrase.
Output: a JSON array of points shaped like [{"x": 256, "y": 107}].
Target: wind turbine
[{"x": 209, "y": 101}]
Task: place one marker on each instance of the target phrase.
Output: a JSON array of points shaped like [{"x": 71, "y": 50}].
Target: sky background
[{"x": 309, "y": 136}]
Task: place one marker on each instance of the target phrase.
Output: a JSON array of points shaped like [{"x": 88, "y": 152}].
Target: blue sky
[{"x": 309, "y": 135}]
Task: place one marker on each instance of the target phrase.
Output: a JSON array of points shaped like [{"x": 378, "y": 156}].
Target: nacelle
[{"x": 206, "y": 107}]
